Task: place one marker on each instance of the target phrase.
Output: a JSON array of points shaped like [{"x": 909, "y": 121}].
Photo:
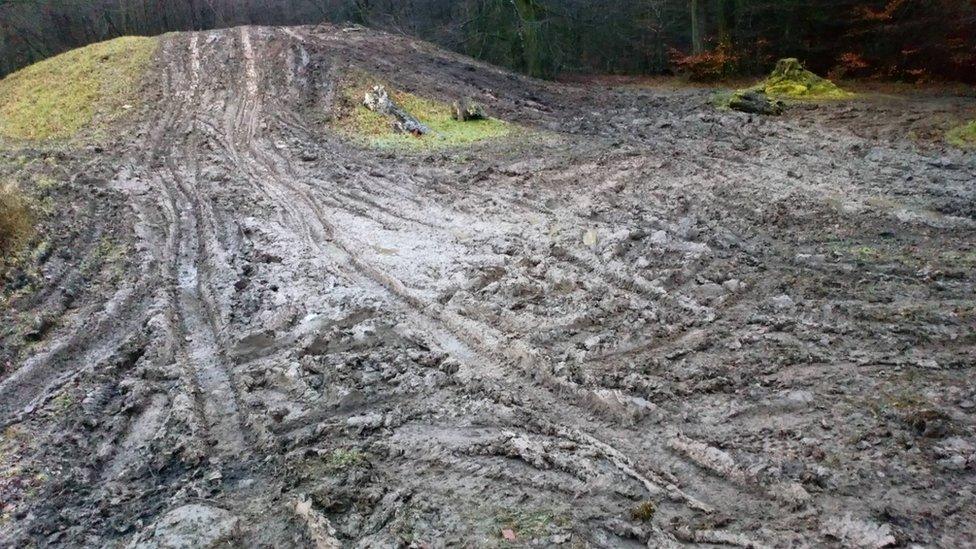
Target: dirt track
[{"x": 764, "y": 327}]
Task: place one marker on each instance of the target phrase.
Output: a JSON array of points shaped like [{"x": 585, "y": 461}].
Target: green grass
[
  {"x": 530, "y": 523},
  {"x": 360, "y": 123},
  {"x": 58, "y": 97},
  {"x": 963, "y": 136},
  {"x": 341, "y": 459}
]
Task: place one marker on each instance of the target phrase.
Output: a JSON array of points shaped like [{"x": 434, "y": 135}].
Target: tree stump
[
  {"x": 790, "y": 68},
  {"x": 756, "y": 102},
  {"x": 465, "y": 109},
  {"x": 378, "y": 101}
]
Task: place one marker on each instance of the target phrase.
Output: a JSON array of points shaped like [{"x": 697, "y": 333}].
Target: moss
[
  {"x": 963, "y": 136},
  {"x": 360, "y": 123},
  {"x": 789, "y": 80},
  {"x": 56, "y": 98}
]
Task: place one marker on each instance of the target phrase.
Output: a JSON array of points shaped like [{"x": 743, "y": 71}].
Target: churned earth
[{"x": 631, "y": 320}]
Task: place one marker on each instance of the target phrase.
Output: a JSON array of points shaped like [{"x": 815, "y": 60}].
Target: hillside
[{"x": 610, "y": 316}]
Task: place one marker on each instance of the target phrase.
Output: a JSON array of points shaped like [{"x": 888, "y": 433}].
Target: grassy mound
[
  {"x": 57, "y": 97},
  {"x": 16, "y": 223},
  {"x": 963, "y": 136},
  {"x": 789, "y": 80},
  {"x": 360, "y": 123}
]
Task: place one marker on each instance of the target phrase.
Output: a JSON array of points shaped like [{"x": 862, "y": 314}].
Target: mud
[{"x": 648, "y": 323}]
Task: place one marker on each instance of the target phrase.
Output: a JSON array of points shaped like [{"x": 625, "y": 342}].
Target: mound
[
  {"x": 790, "y": 80},
  {"x": 57, "y": 97}
]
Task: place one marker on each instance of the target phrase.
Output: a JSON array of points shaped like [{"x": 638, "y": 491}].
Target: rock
[
  {"x": 782, "y": 302},
  {"x": 193, "y": 526},
  {"x": 366, "y": 421},
  {"x": 732, "y": 285},
  {"x": 660, "y": 237},
  {"x": 278, "y": 413},
  {"x": 792, "y": 494},
  {"x": 853, "y": 532},
  {"x": 464, "y": 110},
  {"x": 755, "y": 102}
]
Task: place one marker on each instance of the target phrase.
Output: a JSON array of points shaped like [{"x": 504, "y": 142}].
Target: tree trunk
[
  {"x": 528, "y": 12},
  {"x": 697, "y": 33}
]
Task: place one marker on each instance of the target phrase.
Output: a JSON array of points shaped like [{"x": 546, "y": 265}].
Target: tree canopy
[{"x": 893, "y": 39}]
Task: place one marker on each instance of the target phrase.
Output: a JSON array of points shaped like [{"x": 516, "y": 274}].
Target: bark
[
  {"x": 697, "y": 32},
  {"x": 528, "y": 12}
]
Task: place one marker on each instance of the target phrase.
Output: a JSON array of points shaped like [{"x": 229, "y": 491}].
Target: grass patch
[
  {"x": 360, "y": 123},
  {"x": 963, "y": 136},
  {"x": 57, "y": 97},
  {"x": 341, "y": 459},
  {"x": 16, "y": 221},
  {"x": 531, "y": 523}
]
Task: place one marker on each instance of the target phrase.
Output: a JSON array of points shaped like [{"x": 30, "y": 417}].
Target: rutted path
[{"x": 601, "y": 336}]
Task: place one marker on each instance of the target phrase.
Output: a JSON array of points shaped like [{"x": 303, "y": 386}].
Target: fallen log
[
  {"x": 757, "y": 102},
  {"x": 378, "y": 100}
]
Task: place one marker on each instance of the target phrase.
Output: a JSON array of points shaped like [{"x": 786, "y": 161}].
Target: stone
[{"x": 193, "y": 526}]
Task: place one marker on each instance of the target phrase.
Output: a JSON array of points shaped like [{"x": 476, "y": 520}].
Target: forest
[{"x": 908, "y": 40}]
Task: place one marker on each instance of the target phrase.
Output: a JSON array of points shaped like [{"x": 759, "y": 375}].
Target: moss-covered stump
[{"x": 790, "y": 80}]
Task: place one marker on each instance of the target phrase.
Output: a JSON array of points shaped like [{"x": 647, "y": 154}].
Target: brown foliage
[{"x": 716, "y": 64}]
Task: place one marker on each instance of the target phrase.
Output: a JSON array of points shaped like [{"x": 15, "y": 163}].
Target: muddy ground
[{"x": 646, "y": 322}]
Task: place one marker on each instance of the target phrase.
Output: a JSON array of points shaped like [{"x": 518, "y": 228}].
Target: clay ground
[{"x": 644, "y": 322}]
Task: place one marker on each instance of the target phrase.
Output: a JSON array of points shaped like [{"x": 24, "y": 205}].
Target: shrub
[{"x": 713, "y": 65}]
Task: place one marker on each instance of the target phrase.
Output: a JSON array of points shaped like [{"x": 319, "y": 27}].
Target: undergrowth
[
  {"x": 358, "y": 122},
  {"x": 57, "y": 97},
  {"x": 963, "y": 136}
]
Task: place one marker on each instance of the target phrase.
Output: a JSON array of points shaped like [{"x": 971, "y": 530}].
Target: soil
[{"x": 646, "y": 322}]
